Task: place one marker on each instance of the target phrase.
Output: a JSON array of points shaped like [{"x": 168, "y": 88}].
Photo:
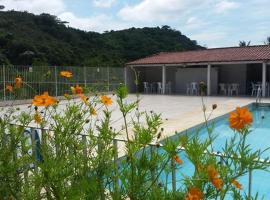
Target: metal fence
[
  {"x": 173, "y": 183},
  {"x": 37, "y": 79}
]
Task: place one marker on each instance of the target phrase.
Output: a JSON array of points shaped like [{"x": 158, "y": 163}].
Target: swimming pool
[{"x": 258, "y": 139}]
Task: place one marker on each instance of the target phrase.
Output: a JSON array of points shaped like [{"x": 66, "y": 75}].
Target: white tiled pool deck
[
  {"x": 182, "y": 112},
  {"x": 178, "y": 112}
]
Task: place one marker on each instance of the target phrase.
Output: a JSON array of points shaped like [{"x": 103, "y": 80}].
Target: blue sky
[{"x": 213, "y": 23}]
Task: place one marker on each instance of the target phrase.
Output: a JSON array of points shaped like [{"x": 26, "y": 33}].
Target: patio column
[
  {"x": 263, "y": 79},
  {"x": 163, "y": 78},
  {"x": 208, "y": 80}
]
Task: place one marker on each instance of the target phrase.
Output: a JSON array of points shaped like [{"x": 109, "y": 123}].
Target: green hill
[{"x": 28, "y": 39}]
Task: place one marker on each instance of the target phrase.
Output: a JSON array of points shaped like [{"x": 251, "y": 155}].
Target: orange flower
[
  {"x": 212, "y": 172},
  {"x": 44, "y": 100},
  {"x": 9, "y": 88},
  {"x": 178, "y": 160},
  {"x": 214, "y": 177},
  {"x": 236, "y": 184},
  {"x": 84, "y": 98},
  {"x": 194, "y": 194},
  {"x": 240, "y": 118},
  {"x": 37, "y": 118},
  {"x": 217, "y": 183},
  {"x": 107, "y": 101},
  {"x": 76, "y": 90},
  {"x": 66, "y": 74},
  {"x": 18, "y": 82}
]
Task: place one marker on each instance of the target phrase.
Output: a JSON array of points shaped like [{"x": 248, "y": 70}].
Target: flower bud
[{"x": 214, "y": 106}]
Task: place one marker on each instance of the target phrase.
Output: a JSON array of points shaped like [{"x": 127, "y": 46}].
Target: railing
[
  {"x": 153, "y": 147},
  {"x": 259, "y": 95},
  {"x": 37, "y": 79}
]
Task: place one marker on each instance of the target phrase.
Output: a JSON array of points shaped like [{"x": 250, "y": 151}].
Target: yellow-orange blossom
[
  {"x": 66, "y": 74},
  {"x": 77, "y": 89},
  {"x": 194, "y": 194},
  {"x": 214, "y": 177},
  {"x": 240, "y": 118},
  {"x": 107, "y": 101},
  {"x": 44, "y": 100},
  {"x": 18, "y": 82}
]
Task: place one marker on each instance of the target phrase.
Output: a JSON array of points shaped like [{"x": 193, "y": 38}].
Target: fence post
[
  {"x": 55, "y": 78},
  {"x": 100, "y": 170},
  {"x": 34, "y": 148},
  {"x": 108, "y": 76},
  {"x": 249, "y": 183},
  {"x": 173, "y": 176},
  {"x": 4, "y": 81},
  {"x": 84, "y": 76},
  {"x": 153, "y": 171},
  {"x": 116, "y": 180}
]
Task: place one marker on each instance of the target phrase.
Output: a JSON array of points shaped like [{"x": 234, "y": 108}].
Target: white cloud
[
  {"x": 224, "y": 6},
  {"x": 210, "y": 38},
  {"x": 97, "y": 23},
  {"x": 155, "y": 10},
  {"x": 54, "y": 7},
  {"x": 103, "y": 3},
  {"x": 195, "y": 23}
]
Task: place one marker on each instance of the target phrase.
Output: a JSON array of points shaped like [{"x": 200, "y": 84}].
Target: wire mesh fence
[
  {"x": 171, "y": 179},
  {"x": 37, "y": 79}
]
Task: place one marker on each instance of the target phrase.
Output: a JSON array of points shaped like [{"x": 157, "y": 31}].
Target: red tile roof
[{"x": 228, "y": 54}]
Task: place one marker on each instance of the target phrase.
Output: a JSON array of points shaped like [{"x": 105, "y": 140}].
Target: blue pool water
[{"x": 258, "y": 139}]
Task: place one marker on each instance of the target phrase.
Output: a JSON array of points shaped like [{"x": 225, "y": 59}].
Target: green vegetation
[
  {"x": 78, "y": 157},
  {"x": 28, "y": 39}
]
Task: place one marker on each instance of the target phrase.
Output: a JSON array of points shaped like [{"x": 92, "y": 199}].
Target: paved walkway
[
  {"x": 178, "y": 112},
  {"x": 182, "y": 112}
]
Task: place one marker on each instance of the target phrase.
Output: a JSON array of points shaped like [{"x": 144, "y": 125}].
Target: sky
[{"x": 213, "y": 23}]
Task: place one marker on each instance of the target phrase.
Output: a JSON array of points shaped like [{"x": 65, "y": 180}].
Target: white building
[{"x": 219, "y": 68}]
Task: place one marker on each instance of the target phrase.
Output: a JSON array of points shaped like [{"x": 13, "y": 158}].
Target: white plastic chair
[
  {"x": 168, "y": 88},
  {"x": 194, "y": 88},
  {"x": 222, "y": 87},
  {"x": 188, "y": 89},
  {"x": 159, "y": 88},
  {"x": 234, "y": 88},
  {"x": 153, "y": 88},
  {"x": 254, "y": 89},
  {"x": 146, "y": 87}
]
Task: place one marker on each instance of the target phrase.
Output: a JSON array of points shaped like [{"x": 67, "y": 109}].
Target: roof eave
[{"x": 200, "y": 63}]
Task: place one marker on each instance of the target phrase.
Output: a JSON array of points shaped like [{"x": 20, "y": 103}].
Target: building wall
[
  {"x": 151, "y": 74},
  {"x": 234, "y": 74},
  {"x": 170, "y": 76},
  {"x": 188, "y": 75}
]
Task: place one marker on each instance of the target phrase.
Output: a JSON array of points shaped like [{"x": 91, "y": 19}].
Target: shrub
[{"x": 75, "y": 153}]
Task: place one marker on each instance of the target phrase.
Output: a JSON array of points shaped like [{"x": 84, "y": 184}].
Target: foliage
[
  {"x": 267, "y": 42},
  {"x": 244, "y": 43},
  {"x": 78, "y": 157},
  {"x": 28, "y": 39}
]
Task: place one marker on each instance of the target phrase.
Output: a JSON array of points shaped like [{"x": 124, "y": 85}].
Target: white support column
[
  {"x": 263, "y": 79},
  {"x": 208, "y": 80},
  {"x": 163, "y": 79}
]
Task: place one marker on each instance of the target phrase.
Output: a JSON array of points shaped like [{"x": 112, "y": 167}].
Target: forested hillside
[{"x": 28, "y": 39}]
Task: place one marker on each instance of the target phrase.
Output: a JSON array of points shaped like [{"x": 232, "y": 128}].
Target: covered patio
[{"x": 240, "y": 71}]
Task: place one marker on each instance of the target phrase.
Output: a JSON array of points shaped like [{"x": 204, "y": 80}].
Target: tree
[
  {"x": 244, "y": 43},
  {"x": 267, "y": 42}
]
